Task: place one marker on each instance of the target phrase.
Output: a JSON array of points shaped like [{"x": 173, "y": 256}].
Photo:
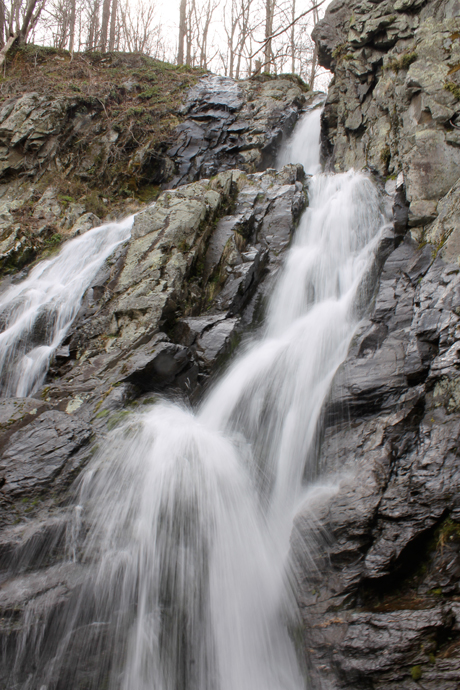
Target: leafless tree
[
  {"x": 139, "y": 33},
  {"x": 17, "y": 20},
  {"x": 113, "y": 25},
  {"x": 268, "y": 51},
  {"x": 104, "y": 24},
  {"x": 182, "y": 31}
]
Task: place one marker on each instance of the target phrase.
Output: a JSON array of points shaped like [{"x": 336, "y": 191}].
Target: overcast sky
[{"x": 169, "y": 18}]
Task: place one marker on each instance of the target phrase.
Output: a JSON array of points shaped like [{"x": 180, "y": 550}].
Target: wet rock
[
  {"x": 33, "y": 544},
  {"x": 37, "y": 454},
  {"x": 391, "y": 101},
  {"x": 216, "y": 342},
  {"x": 188, "y": 266},
  {"x": 161, "y": 364},
  {"x": 235, "y": 125},
  {"x": 380, "y": 601}
]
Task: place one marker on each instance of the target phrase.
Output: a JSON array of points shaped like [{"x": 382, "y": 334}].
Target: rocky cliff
[
  {"x": 103, "y": 134},
  {"x": 383, "y": 608},
  {"x": 164, "y": 313}
]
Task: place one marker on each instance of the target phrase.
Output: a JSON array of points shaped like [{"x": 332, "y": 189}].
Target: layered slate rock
[
  {"x": 394, "y": 102},
  {"x": 382, "y": 608},
  {"x": 223, "y": 124},
  {"x": 232, "y": 124},
  {"x": 164, "y": 312},
  {"x": 166, "y": 309}
]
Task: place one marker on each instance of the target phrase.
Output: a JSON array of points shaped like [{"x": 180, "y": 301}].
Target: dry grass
[{"x": 130, "y": 97}]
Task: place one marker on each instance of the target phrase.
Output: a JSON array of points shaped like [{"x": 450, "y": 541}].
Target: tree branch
[{"x": 286, "y": 28}]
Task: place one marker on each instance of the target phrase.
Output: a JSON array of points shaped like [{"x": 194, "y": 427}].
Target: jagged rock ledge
[{"x": 382, "y": 610}]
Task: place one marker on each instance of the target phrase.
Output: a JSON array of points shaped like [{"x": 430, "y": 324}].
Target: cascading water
[
  {"x": 36, "y": 314},
  {"x": 303, "y": 146},
  {"x": 188, "y": 517}
]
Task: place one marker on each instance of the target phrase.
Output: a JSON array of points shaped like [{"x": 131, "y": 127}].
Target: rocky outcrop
[
  {"x": 233, "y": 124},
  {"x": 162, "y": 313},
  {"x": 394, "y": 102},
  {"x": 383, "y": 606},
  {"x": 84, "y": 153},
  {"x": 381, "y": 610}
]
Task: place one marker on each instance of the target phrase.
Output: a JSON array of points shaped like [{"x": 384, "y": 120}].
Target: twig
[
  {"x": 105, "y": 111},
  {"x": 286, "y": 28}
]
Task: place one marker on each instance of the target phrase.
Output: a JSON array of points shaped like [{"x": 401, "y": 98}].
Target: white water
[
  {"x": 303, "y": 146},
  {"x": 188, "y": 516},
  {"x": 36, "y": 314}
]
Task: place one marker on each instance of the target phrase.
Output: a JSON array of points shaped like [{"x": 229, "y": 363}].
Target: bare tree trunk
[
  {"x": 230, "y": 37},
  {"x": 105, "y": 24},
  {"x": 269, "y": 9},
  {"x": 245, "y": 31},
  {"x": 314, "y": 64},
  {"x": 182, "y": 31},
  {"x": 2, "y": 24},
  {"x": 27, "y": 22},
  {"x": 94, "y": 26},
  {"x": 113, "y": 25},
  {"x": 293, "y": 37},
  {"x": 191, "y": 30},
  {"x": 6, "y": 48},
  {"x": 72, "y": 26},
  {"x": 314, "y": 59}
]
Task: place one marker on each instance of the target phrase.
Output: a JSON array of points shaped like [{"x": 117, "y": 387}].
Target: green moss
[
  {"x": 449, "y": 531},
  {"x": 183, "y": 246},
  {"x": 453, "y": 88},
  {"x": 416, "y": 672},
  {"x": 94, "y": 204},
  {"x": 136, "y": 111},
  {"x": 147, "y": 193},
  {"x": 340, "y": 51},
  {"x": 385, "y": 156},
  {"x": 149, "y": 93},
  {"x": 54, "y": 240},
  {"x": 116, "y": 419},
  {"x": 401, "y": 63},
  {"x": 102, "y": 413}
]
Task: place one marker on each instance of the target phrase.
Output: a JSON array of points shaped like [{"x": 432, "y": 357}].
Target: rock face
[
  {"x": 80, "y": 138},
  {"x": 382, "y": 608},
  {"x": 233, "y": 124},
  {"x": 164, "y": 312},
  {"x": 394, "y": 103}
]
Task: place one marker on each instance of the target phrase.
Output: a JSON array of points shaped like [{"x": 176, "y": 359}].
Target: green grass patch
[
  {"x": 401, "y": 63},
  {"x": 453, "y": 88}
]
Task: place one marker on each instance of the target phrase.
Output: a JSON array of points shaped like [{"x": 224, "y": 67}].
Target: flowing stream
[
  {"x": 36, "y": 314},
  {"x": 188, "y": 515}
]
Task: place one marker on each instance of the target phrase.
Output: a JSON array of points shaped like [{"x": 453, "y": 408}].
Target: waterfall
[
  {"x": 36, "y": 314},
  {"x": 303, "y": 146},
  {"x": 188, "y": 515}
]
